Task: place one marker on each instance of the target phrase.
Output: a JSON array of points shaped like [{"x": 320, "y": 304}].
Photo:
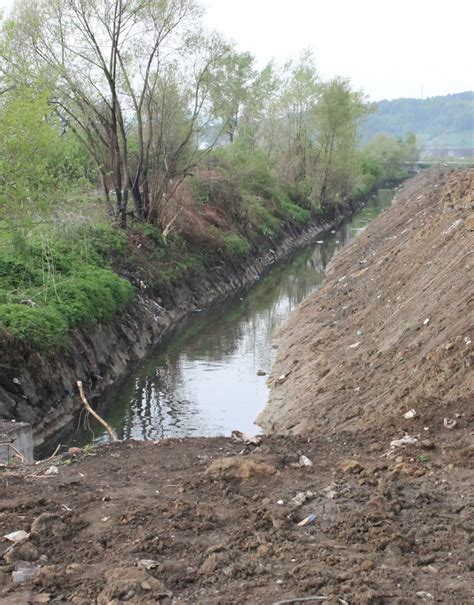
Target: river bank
[
  {"x": 43, "y": 392},
  {"x": 391, "y": 328}
]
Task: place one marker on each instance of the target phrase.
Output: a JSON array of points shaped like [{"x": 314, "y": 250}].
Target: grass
[{"x": 50, "y": 284}]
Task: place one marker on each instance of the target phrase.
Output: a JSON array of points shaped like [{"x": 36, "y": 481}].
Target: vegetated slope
[
  {"x": 440, "y": 121},
  {"x": 392, "y": 328}
]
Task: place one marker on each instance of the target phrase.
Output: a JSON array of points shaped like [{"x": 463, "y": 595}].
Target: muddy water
[{"x": 203, "y": 381}]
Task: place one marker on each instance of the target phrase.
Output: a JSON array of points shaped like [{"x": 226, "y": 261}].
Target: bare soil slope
[{"x": 392, "y": 327}]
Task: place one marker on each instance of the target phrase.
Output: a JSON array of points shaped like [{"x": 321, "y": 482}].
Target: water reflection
[{"x": 204, "y": 380}]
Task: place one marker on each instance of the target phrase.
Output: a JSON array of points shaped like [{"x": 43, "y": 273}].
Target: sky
[{"x": 387, "y": 48}]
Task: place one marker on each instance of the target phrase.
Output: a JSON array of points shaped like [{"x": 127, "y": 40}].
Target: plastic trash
[
  {"x": 450, "y": 423},
  {"x": 17, "y": 537},
  {"x": 305, "y": 461},
  {"x": 307, "y": 521},
  {"x": 25, "y": 572},
  {"x": 406, "y": 440}
]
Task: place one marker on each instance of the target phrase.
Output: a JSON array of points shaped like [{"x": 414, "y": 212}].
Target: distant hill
[{"x": 439, "y": 122}]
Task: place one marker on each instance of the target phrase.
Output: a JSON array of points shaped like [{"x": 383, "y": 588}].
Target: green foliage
[
  {"x": 42, "y": 328},
  {"x": 37, "y": 161},
  {"x": 50, "y": 285},
  {"x": 152, "y": 233},
  {"x": 94, "y": 296},
  {"x": 235, "y": 245},
  {"x": 294, "y": 212}
]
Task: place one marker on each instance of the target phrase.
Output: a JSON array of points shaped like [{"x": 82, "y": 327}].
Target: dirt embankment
[{"x": 392, "y": 327}]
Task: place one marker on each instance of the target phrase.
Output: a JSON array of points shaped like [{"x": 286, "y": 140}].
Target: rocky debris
[
  {"x": 238, "y": 467},
  {"x": 133, "y": 586}
]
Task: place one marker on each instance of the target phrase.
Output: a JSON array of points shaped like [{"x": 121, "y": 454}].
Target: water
[{"x": 203, "y": 381}]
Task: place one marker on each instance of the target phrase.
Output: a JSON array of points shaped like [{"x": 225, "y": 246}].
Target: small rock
[
  {"x": 426, "y": 444},
  {"x": 25, "y": 551},
  {"x": 238, "y": 467},
  {"x": 469, "y": 224},
  {"x": 261, "y": 373},
  {"x": 48, "y": 523},
  {"x": 352, "y": 466},
  {"x": 74, "y": 451}
]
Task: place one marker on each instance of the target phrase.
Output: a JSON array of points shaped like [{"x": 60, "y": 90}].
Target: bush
[
  {"x": 294, "y": 212},
  {"x": 93, "y": 297},
  {"x": 235, "y": 245},
  {"x": 41, "y": 327}
]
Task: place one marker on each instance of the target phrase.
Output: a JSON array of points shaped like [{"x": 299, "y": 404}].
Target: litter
[
  {"x": 17, "y": 537},
  {"x": 250, "y": 440},
  {"x": 425, "y": 595},
  {"x": 25, "y": 572},
  {"x": 410, "y": 414},
  {"x": 52, "y": 470},
  {"x": 450, "y": 423},
  {"x": 147, "y": 564},
  {"x": 356, "y": 345},
  {"x": 302, "y": 497},
  {"x": 307, "y": 521},
  {"x": 406, "y": 440},
  {"x": 305, "y": 461}
]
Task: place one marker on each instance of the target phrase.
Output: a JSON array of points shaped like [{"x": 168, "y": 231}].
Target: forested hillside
[{"x": 446, "y": 121}]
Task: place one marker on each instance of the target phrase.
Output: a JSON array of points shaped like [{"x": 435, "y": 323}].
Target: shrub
[
  {"x": 92, "y": 297},
  {"x": 41, "y": 327},
  {"x": 235, "y": 245},
  {"x": 294, "y": 212}
]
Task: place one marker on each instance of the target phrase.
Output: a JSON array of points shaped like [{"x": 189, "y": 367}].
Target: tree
[{"x": 118, "y": 71}]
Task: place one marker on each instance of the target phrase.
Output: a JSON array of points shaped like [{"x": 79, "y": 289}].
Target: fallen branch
[
  {"x": 53, "y": 455},
  {"x": 94, "y": 413},
  {"x": 17, "y": 453}
]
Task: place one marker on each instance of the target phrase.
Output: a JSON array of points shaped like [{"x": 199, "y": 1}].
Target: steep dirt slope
[{"x": 392, "y": 328}]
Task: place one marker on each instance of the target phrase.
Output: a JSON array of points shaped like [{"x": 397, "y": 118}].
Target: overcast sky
[{"x": 388, "y": 48}]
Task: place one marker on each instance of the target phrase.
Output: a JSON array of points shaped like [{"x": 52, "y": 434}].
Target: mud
[{"x": 145, "y": 523}]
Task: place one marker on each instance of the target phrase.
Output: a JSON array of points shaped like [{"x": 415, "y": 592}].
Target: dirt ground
[
  {"x": 143, "y": 523},
  {"x": 218, "y": 521}
]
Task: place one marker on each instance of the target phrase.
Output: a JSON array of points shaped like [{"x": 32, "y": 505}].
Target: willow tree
[{"x": 119, "y": 71}]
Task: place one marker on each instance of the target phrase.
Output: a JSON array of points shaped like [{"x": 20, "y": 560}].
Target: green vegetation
[{"x": 140, "y": 165}]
